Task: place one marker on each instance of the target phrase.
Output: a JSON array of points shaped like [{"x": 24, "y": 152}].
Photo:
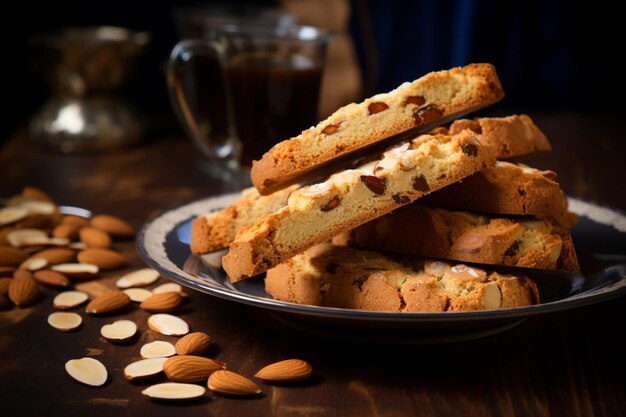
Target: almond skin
[
  {"x": 106, "y": 259},
  {"x": 11, "y": 256},
  {"x": 189, "y": 368},
  {"x": 94, "y": 238},
  {"x": 112, "y": 225},
  {"x": 66, "y": 230},
  {"x": 290, "y": 370},
  {"x": 108, "y": 303},
  {"x": 230, "y": 383},
  {"x": 23, "y": 290},
  {"x": 195, "y": 343},
  {"x": 53, "y": 278},
  {"x": 56, "y": 256},
  {"x": 162, "y": 303}
]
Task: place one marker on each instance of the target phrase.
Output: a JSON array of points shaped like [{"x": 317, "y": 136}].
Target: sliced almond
[
  {"x": 69, "y": 299},
  {"x": 168, "y": 325},
  {"x": 157, "y": 349},
  {"x": 9, "y": 215},
  {"x": 77, "y": 270},
  {"x": 193, "y": 344},
  {"x": 137, "y": 294},
  {"x": 189, "y": 368},
  {"x": 53, "y": 278},
  {"x": 38, "y": 206},
  {"x": 174, "y": 391},
  {"x": 144, "y": 368},
  {"x": 77, "y": 246},
  {"x": 65, "y": 321},
  {"x": 169, "y": 287},
  {"x": 106, "y": 259},
  {"x": 89, "y": 371},
  {"x": 119, "y": 331},
  {"x": 290, "y": 370},
  {"x": 34, "y": 264},
  {"x": 162, "y": 303},
  {"x": 94, "y": 238},
  {"x": 230, "y": 383},
  {"x": 112, "y": 225},
  {"x": 20, "y": 238},
  {"x": 23, "y": 290},
  {"x": 56, "y": 256},
  {"x": 12, "y": 256},
  {"x": 139, "y": 278},
  {"x": 108, "y": 302}
]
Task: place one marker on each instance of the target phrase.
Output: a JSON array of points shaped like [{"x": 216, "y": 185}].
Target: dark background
[{"x": 554, "y": 55}]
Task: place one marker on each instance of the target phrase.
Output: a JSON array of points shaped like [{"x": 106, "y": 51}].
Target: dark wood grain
[{"x": 560, "y": 364}]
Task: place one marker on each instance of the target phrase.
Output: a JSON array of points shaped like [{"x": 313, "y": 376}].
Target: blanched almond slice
[
  {"x": 168, "y": 325},
  {"x": 169, "y": 287},
  {"x": 65, "y": 321},
  {"x": 34, "y": 264},
  {"x": 138, "y": 278},
  {"x": 137, "y": 294},
  {"x": 119, "y": 331},
  {"x": 77, "y": 246},
  {"x": 76, "y": 270},
  {"x": 157, "y": 349},
  {"x": 174, "y": 391},
  {"x": 10, "y": 215},
  {"x": 69, "y": 299},
  {"x": 38, "y": 206},
  {"x": 89, "y": 371},
  {"x": 144, "y": 368},
  {"x": 19, "y": 238}
]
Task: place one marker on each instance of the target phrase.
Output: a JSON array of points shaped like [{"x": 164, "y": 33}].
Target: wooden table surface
[{"x": 570, "y": 363}]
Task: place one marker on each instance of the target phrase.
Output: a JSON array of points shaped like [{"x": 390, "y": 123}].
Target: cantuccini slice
[
  {"x": 342, "y": 277},
  {"x": 352, "y": 197},
  {"x": 508, "y": 136},
  {"x": 507, "y": 188},
  {"x": 463, "y": 236},
  {"x": 215, "y": 231},
  {"x": 422, "y": 104}
]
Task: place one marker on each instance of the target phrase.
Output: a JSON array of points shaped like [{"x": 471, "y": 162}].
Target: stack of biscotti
[{"x": 470, "y": 207}]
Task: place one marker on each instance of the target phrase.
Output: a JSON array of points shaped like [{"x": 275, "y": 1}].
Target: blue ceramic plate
[{"x": 599, "y": 237}]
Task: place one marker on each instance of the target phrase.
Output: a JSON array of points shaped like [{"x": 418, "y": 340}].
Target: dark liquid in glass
[{"x": 274, "y": 99}]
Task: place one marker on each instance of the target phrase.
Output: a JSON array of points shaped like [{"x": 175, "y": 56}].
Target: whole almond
[
  {"x": 290, "y": 370},
  {"x": 23, "y": 290},
  {"x": 108, "y": 303},
  {"x": 36, "y": 220},
  {"x": 66, "y": 230},
  {"x": 230, "y": 383},
  {"x": 162, "y": 303},
  {"x": 112, "y": 225},
  {"x": 189, "y": 368},
  {"x": 53, "y": 278},
  {"x": 106, "y": 259},
  {"x": 56, "y": 256},
  {"x": 35, "y": 193},
  {"x": 195, "y": 343},
  {"x": 11, "y": 256},
  {"x": 75, "y": 220},
  {"x": 94, "y": 238}
]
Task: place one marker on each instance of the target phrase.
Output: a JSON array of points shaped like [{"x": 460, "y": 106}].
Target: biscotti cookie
[
  {"x": 215, "y": 231},
  {"x": 507, "y": 188},
  {"x": 352, "y": 197},
  {"x": 342, "y": 277},
  {"x": 433, "y": 99},
  {"x": 514, "y": 135},
  {"x": 463, "y": 236}
]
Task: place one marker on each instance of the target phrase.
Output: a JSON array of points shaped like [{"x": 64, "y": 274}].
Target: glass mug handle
[{"x": 180, "y": 56}]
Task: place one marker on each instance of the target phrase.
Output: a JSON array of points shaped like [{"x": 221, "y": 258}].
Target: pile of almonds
[{"x": 41, "y": 246}]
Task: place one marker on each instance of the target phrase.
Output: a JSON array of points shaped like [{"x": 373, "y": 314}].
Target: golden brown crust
[
  {"x": 349, "y": 198},
  {"x": 461, "y": 236},
  {"x": 436, "y": 97},
  {"x": 507, "y": 188},
  {"x": 332, "y": 276}
]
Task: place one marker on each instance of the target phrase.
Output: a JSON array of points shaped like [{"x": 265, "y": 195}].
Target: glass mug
[{"x": 271, "y": 79}]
